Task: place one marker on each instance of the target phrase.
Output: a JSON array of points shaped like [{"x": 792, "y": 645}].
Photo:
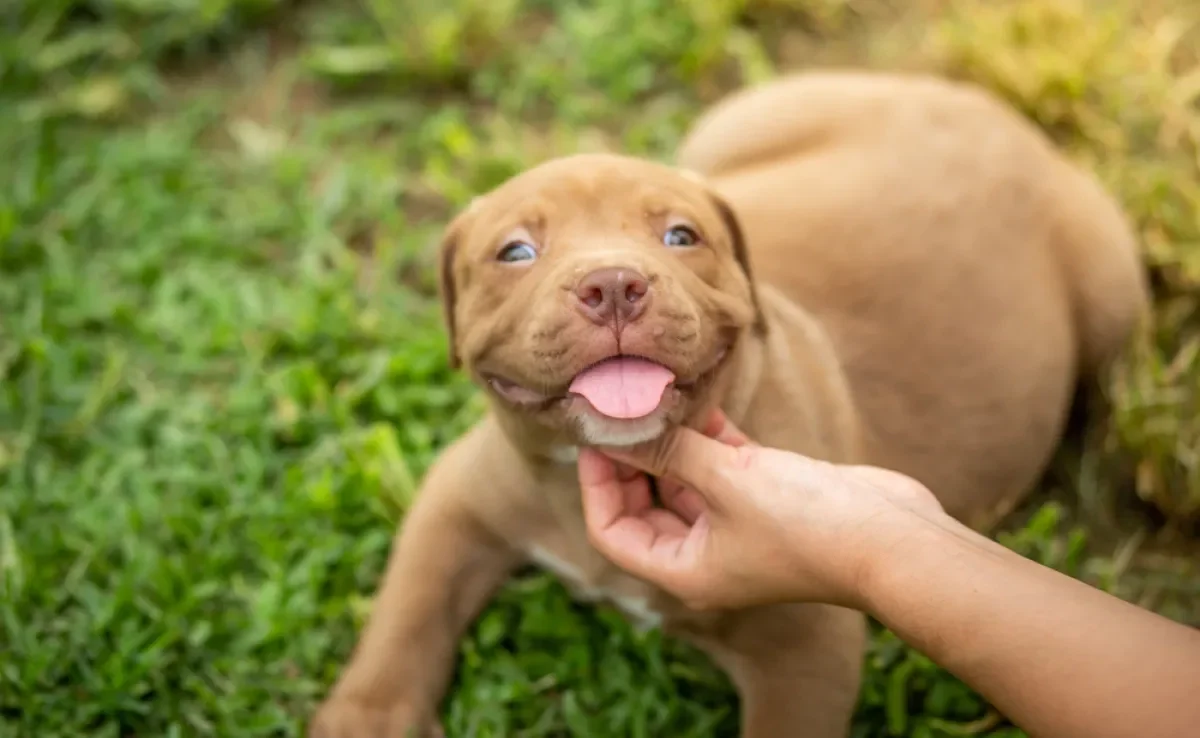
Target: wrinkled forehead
[{"x": 600, "y": 196}]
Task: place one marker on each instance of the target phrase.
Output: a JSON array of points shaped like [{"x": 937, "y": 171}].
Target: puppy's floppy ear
[
  {"x": 447, "y": 252},
  {"x": 734, "y": 227}
]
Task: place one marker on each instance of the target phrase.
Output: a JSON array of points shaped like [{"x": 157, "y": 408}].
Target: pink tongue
[{"x": 624, "y": 387}]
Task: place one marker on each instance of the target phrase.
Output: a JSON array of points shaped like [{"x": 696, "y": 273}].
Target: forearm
[{"x": 1059, "y": 658}]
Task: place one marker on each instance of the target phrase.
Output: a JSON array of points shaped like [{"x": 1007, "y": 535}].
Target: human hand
[{"x": 742, "y": 524}]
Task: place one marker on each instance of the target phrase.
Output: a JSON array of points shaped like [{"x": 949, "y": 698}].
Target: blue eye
[
  {"x": 517, "y": 251},
  {"x": 681, "y": 236}
]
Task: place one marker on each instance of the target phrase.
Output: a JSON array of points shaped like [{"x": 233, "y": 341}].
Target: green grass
[{"x": 222, "y": 370}]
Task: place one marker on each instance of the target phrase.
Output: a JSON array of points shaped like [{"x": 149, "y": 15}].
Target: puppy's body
[
  {"x": 965, "y": 274},
  {"x": 892, "y": 270}
]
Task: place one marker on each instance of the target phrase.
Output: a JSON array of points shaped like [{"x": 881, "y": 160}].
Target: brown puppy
[{"x": 874, "y": 268}]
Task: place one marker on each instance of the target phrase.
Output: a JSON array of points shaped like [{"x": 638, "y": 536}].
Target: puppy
[{"x": 885, "y": 269}]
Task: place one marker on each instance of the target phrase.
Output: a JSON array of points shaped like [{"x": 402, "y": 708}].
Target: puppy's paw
[{"x": 343, "y": 718}]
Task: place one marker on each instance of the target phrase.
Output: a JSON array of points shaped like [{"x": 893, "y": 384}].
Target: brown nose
[{"x": 612, "y": 295}]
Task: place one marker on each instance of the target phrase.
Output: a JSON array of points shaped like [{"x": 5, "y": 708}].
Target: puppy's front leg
[{"x": 443, "y": 569}]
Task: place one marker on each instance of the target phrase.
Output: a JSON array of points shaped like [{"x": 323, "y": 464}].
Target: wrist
[{"x": 910, "y": 547}]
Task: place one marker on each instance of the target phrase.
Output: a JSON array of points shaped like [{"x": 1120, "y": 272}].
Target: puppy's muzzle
[{"x": 613, "y": 296}]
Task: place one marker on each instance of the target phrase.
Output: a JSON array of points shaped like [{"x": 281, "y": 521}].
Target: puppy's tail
[
  {"x": 779, "y": 119},
  {"x": 797, "y": 113},
  {"x": 1102, "y": 260}
]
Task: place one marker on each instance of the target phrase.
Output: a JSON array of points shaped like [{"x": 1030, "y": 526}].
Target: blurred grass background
[{"x": 222, "y": 371}]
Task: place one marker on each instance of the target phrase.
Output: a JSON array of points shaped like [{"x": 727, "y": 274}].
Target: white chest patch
[{"x": 636, "y": 608}]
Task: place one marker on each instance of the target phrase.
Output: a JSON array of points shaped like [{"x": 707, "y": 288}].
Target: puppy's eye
[
  {"x": 517, "y": 251},
  {"x": 681, "y": 236}
]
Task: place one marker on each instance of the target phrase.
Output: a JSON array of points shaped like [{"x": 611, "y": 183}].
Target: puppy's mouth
[
  {"x": 619, "y": 387},
  {"x": 623, "y": 387}
]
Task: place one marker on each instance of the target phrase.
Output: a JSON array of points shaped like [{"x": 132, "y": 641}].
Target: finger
[
  {"x": 684, "y": 455},
  {"x": 635, "y": 489},
  {"x": 627, "y": 473},
  {"x": 632, "y": 486},
  {"x": 720, "y": 428},
  {"x": 645, "y": 545},
  {"x": 614, "y": 490},
  {"x": 641, "y": 541},
  {"x": 666, "y": 523},
  {"x": 682, "y": 500},
  {"x": 603, "y": 495}
]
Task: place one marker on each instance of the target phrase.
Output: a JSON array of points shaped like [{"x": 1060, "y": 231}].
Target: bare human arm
[
  {"x": 748, "y": 525},
  {"x": 1058, "y": 657}
]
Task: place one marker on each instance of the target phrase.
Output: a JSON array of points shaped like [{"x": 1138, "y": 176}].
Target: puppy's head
[{"x": 597, "y": 296}]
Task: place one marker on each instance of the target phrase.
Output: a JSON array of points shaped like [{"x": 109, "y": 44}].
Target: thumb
[{"x": 685, "y": 455}]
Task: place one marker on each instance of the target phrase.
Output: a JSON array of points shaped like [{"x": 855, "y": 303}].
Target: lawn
[{"x": 222, "y": 371}]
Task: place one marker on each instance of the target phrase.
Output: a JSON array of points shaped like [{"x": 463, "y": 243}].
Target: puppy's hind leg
[{"x": 797, "y": 668}]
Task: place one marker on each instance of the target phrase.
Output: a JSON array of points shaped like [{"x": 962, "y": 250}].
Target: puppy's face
[{"x": 597, "y": 296}]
